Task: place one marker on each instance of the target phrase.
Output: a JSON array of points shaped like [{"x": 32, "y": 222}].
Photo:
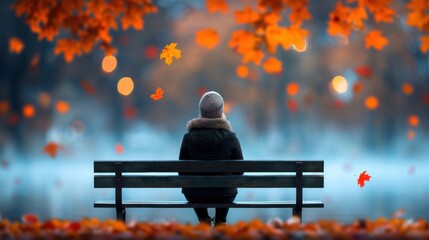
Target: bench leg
[
  {"x": 121, "y": 214},
  {"x": 297, "y": 212}
]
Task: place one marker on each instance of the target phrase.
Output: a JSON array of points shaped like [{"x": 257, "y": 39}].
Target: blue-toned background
[{"x": 336, "y": 128}]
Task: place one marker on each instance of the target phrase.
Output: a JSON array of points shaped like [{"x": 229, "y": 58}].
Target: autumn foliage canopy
[{"x": 78, "y": 26}]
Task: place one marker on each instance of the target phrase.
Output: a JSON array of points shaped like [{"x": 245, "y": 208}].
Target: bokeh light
[
  {"x": 125, "y": 86},
  {"x": 4, "y": 107},
  {"x": 109, "y": 64},
  {"x": 62, "y": 107},
  {"x": 44, "y": 100},
  {"x": 242, "y": 71},
  {"x": 411, "y": 134},
  {"x": 339, "y": 84},
  {"x": 28, "y": 111},
  {"x": 413, "y": 120},
  {"x": 292, "y": 88},
  {"x": 371, "y": 102},
  {"x": 407, "y": 88}
]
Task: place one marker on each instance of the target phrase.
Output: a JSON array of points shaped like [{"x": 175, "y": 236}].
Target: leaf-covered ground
[{"x": 381, "y": 228}]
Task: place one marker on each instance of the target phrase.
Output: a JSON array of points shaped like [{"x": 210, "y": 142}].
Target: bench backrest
[{"x": 289, "y": 174}]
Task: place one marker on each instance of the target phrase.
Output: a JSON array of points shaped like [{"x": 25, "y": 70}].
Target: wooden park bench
[{"x": 288, "y": 174}]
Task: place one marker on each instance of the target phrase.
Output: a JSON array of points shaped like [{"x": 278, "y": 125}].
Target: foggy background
[{"x": 336, "y": 128}]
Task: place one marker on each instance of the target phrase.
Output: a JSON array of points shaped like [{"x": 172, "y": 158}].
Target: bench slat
[
  {"x": 208, "y": 166},
  {"x": 184, "y": 204},
  {"x": 278, "y": 181}
]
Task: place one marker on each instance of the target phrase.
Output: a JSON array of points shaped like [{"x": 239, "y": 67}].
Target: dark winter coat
[{"x": 211, "y": 140}]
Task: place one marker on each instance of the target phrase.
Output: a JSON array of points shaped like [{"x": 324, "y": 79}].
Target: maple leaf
[
  {"x": 242, "y": 71},
  {"x": 362, "y": 178},
  {"x": 425, "y": 43},
  {"x": 158, "y": 95},
  {"x": 376, "y": 40},
  {"x": 272, "y": 65},
  {"x": 253, "y": 56},
  {"x": 52, "y": 148},
  {"x": 15, "y": 45},
  {"x": 207, "y": 37},
  {"x": 216, "y": 5},
  {"x": 246, "y": 16},
  {"x": 169, "y": 52}
]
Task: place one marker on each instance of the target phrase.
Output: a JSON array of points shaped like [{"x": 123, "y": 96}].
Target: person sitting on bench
[{"x": 210, "y": 138}]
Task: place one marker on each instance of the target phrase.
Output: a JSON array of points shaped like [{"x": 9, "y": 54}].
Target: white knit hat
[{"x": 211, "y": 105}]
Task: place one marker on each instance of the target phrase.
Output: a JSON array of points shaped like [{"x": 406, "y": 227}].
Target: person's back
[{"x": 210, "y": 138}]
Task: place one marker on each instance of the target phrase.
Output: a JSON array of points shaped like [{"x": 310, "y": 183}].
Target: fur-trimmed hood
[{"x": 209, "y": 123}]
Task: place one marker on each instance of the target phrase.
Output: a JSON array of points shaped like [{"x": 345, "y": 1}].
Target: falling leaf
[
  {"x": 35, "y": 60},
  {"x": 242, "y": 71},
  {"x": 30, "y": 219},
  {"x": 376, "y": 40},
  {"x": 246, "y": 16},
  {"x": 207, "y": 38},
  {"x": 272, "y": 65},
  {"x": 169, "y": 52},
  {"x": 216, "y": 5},
  {"x": 362, "y": 178},
  {"x": 51, "y": 149},
  {"x": 15, "y": 45},
  {"x": 158, "y": 95}
]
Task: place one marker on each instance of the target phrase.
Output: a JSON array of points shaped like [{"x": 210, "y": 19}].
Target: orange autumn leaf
[
  {"x": 413, "y": 120},
  {"x": 119, "y": 148},
  {"x": 169, "y": 52},
  {"x": 376, "y": 40},
  {"x": 208, "y": 38},
  {"x": 424, "y": 47},
  {"x": 339, "y": 20},
  {"x": 28, "y": 111},
  {"x": 242, "y": 71},
  {"x": 272, "y": 65},
  {"x": 15, "y": 45},
  {"x": 51, "y": 149},
  {"x": 253, "y": 56},
  {"x": 217, "y": 5},
  {"x": 158, "y": 95},
  {"x": 246, "y": 16},
  {"x": 362, "y": 178}
]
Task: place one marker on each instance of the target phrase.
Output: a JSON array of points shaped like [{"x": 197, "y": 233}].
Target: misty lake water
[{"x": 65, "y": 190}]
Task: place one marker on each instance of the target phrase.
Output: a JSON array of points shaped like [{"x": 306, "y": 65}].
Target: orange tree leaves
[
  {"x": 375, "y": 39},
  {"x": 217, "y": 5},
  {"x": 347, "y": 18},
  {"x": 158, "y": 95},
  {"x": 81, "y": 23},
  {"x": 418, "y": 17},
  {"x": 207, "y": 38},
  {"x": 263, "y": 33}
]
